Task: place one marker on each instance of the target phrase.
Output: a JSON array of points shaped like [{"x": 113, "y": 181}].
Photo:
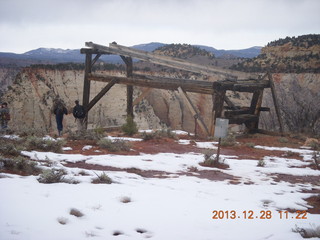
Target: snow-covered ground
[{"x": 177, "y": 207}]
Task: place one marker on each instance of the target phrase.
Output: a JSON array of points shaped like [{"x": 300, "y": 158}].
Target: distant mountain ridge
[{"x": 57, "y": 55}]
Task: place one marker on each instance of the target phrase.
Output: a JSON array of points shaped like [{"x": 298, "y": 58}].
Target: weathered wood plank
[
  {"x": 128, "y": 62},
  {"x": 157, "y": 82},
  {"x": 241, "y": 86},
  {"x": 164, "y": 60},
  {"x": 275, "y": 101},
  {"x": 243, "y": 118},
  {"x": 86, "y": 87}
]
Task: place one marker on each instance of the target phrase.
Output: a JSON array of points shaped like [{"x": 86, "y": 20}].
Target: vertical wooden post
[
  {"x": 129, "y": 65},
  {"x": 275, "y": 101},
  {"x": 255, "y": 107},
  {"x": 218, "y": 99},
  {"x": 86, "y": 87}
]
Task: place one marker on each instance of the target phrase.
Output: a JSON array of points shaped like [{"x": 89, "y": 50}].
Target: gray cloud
[{"x": 228, "y": 24}]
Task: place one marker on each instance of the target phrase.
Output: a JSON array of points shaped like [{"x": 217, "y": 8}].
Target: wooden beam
[
  {"x": 242, "y": 85},
  {"x": 129, "y": 65},
  {"x": 144, "y": 93},
  {"x": 218, "y": 100},
  {"x": 86, "y": 86},
  {"x": 101, "y": 94},
  {"x": 193, "y": 110},
  {"x": 96, "y": 59},
  {"x": 164, "y": 60},
  {"x": 275, "y": 101},
  {"x": 158, "y": 82},
  {"x": 243, "y": 118}
]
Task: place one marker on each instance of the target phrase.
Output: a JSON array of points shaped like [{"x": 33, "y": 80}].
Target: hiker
[
  {"x": 79, "y": 114},
  {"x": 4, "y": 116},
  {"x": 59, "y": 110}
]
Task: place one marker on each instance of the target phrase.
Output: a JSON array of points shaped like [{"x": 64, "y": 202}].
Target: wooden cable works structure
[{"x": 238, "y": 115}]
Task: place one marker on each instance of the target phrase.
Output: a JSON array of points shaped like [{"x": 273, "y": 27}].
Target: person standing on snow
[
  {"x": 79, "y": 114},
  {"x": 59, "y": 110}
]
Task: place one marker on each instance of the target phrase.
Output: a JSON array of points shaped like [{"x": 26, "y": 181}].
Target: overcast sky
[{"x": 222, "y": 24}]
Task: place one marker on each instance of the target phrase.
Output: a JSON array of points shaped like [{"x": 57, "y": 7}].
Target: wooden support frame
[
  {"x": 163, "y": 60},
  {"x": 254, "y": 84}
]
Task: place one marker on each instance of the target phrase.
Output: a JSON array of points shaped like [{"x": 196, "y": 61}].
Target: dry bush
[
  {"x": 26, "y": 132},
  {"x": 211, "y": 160},
  {"x": 313, "y": 232},
  {"x": 52, "y": 176},
  {"x": 40, "y": 144},
  {"x": 102, "y": 178},
  {"x": 130, "y": 127},
  {"x": 95, "y": 134},
  {"x": 230, "y": 141},
  {"x": 21, "y": 165},
  {"x": 10, "y": 148},
  {"x": 114, "y": 146},
  {"x": 158, "y": 134}
]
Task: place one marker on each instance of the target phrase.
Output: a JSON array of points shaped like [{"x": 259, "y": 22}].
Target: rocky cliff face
[
  {"x": 32, "y": 94},
  {"x": 7, "y": 75},
  {"x": 289, "y": 55},
  {"x": 31, "y": 99}
]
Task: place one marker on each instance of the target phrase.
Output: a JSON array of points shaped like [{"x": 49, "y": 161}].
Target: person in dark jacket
[
  {"x": 79, "y": 114},
  {"x": 59, "y": 110}
]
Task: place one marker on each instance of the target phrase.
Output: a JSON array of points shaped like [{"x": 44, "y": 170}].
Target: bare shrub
[
  {"x": 212, "y": 160},
  {"x": 313, "y": 232},
  {"x": 26, "y": 132},
  {"x": 36, "y": 143},
  {"x": 250, "y": 144},
  {"x": 261, "y": 163},
  {"x": 158, "y": 134},
  {"x": 114, "y": 146},
  {"x": 9, "y": 148},
  {"x": 102, "y": 178},
  {"x": 283, "y": 140},
  {"x": 20, "y": 164},
  {"x": 52, "y": 176},
  {"x": 230, "y": 141},
  {"x": 130, "y": 127},
  {"x": 95, "y": 134}
]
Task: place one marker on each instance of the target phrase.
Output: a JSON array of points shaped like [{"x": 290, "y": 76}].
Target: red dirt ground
[{"x": 243, "y": 150}]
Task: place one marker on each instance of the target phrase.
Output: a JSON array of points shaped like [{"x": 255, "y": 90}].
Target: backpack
[
  {"x": 79, "y": 112},
  {"x": 5, "y": 115}
]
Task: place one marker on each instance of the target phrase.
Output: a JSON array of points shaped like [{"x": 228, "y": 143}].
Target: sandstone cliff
[{"x": 289, "y": 55}]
